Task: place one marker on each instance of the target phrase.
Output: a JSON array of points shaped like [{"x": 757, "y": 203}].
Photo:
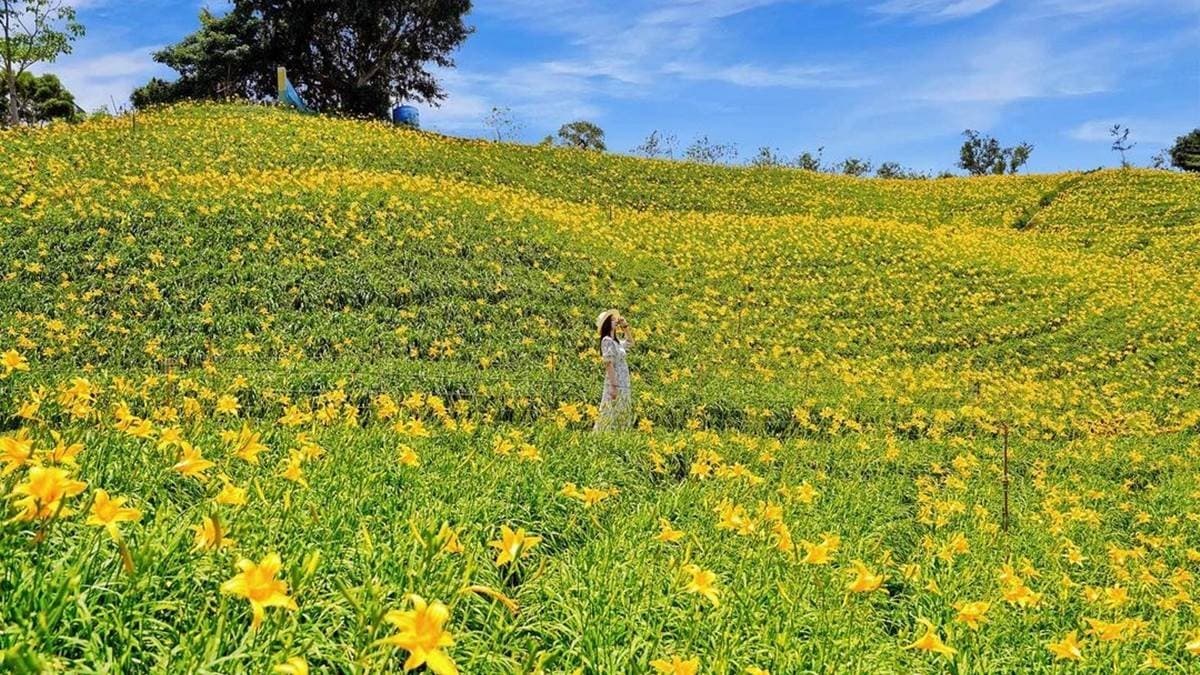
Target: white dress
[{"x": 616, "y": 402}]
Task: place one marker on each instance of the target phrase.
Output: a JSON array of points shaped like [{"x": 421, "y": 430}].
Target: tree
[
  {"x": 41, "y": 99},
  {"x": 981, "y": 155},
  {"x": 807, "y": 161},
  {"x": 33, "y": 31},
  {"x": 223, "y": 59},
  {"x": 895, "y": 171},
  {"x": 583, "y": 135},
  {"x": 1185, "y": 154},
  {"x": 767, "y": 158},
  {"x": 705, "y": 151},
  {"x": 1121, "y": 144},
  {"x": 503, "y": 123},
  {"x": 853, "y": 166},
  {"x": 658, "y": 145},
  {"x": 354, "y": 56},
  {"x": 348, "y": 56}
]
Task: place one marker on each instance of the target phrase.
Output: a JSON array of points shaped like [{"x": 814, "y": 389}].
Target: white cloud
[
  {"x": 935, "y": 10},
  {"x": 101, "y": 79},
  {"x": 784, "y": 77},
  {"x": 622, "y": 53},
  {"x": 1010, "y": 69},
  {"x": 1141, "y": 130}
]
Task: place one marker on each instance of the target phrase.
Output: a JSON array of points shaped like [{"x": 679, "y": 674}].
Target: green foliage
[
  {"x": 347, "y": 56},
  {"x": 1185, "y": 154},
  {"x": 225, "y": 58},
  {"x": 1121, "y": 142},
  {"x": 766, "y": 158},
  {"x": 704, "y": 151},
  {"x": 836, "y": 352},
  {"x": 32, "y": 31},
  {"x": 582, "y": 135},
  {"x": 894, "y": 170},
  {"x": 354, "y": 56},
  {"x": 982, "y": 155},
  {"x": 853, "y": 166},
  {"x": 657, "y": 145},
  {"x": 503, "y": 123},
  {"x": 808, "y": 161},
  {"x": 42, "y": 98}
]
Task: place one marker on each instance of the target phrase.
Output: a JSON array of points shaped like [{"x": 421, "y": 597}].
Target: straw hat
[{"x": 605, "y": 315}]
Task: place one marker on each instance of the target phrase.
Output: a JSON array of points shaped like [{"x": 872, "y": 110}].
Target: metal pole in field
[{"x": 1004, "y": 481}]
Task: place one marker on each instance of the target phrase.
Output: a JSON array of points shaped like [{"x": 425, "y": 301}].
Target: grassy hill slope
[
  {"x": 370, "y": 351},
  {"x": 265, "y": 243}
]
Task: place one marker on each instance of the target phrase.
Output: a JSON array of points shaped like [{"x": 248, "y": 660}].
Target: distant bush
[
  {"x": 981, "y": 155},
  {"x": 853, "y": 166},
  {"x": 704, "y": 151},
  {"x": 657, "y": 144},
  {"x": 1185, "y": 154},
  {"x": 583, "y": 135}
]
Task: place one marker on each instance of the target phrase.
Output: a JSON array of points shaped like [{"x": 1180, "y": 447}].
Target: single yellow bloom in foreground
[
  {"x": 974, "y": 614},
  {"x": 864, "y": 580},
  {"x": 227, "y": 404},
  {"x": 257, "y": 583},
  {"x": 676, "y": 666},
  {"x": 1067, "y": 649},
  {"x": 408, "y": 457},
  {"x": 822, "y": 553},
  {"x": 1193, "y": 645},
  {"x": 931, "y": 641},
  {"x": 666, "y": 533},
  {"x": 421, "y": 632},
  {"x": 209, "y": 535},
  {"x": 107, "y": 512},
  {"x": 449, "y": 538},
  {"x": 191, "y": 462},
  {"x": 512, "y": 545},
  {"x": 13, "y": 360},
  {"x": 15, "y": 451},
  {"x": 44, "y": 490},
  {"x": 702, "y": 583},
  {"x": 231, "y": 495}
]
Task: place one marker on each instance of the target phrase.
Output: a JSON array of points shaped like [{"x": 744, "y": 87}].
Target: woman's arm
[
  {"x": 610, "y": 379},
  {"x": 626, "y": 331}
]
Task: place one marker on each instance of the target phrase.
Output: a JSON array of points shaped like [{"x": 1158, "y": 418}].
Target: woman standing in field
[{"x": 616, "y": 403}]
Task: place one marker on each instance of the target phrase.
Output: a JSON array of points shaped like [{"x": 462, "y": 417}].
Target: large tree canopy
[
  {"x": 32, "y": 31},
  {"x": 225, "y": 58},
  {"x": 41, "y": 98},
  {"x": 349, "y": 56}
]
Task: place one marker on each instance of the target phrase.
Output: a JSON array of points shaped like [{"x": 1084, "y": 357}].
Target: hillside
[
  {"x": 873, "y": 415},
  {"x": 263, "y": 243}
]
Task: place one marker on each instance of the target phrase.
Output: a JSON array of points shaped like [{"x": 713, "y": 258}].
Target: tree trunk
[
  {"x": 14, "y": 117},
  {"x": 9, "y": 72}
]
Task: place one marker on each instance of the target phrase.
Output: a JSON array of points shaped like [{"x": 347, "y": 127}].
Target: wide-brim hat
[{"x": 605, "y": 315}]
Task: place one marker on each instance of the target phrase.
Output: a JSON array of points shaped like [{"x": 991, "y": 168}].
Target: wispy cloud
[
  {"x": 100, "y": 79},
  {"x": 619, "y": 53},
  {"x": 1011, "y": 68},
  {"x": 1141, "y": 130},
  {"x": 935, "y": 10}
]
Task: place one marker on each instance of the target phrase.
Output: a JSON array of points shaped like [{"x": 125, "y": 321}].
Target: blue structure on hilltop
[
  {"x": 406, "y": 115},
  {"x": 287, "y": 93}
]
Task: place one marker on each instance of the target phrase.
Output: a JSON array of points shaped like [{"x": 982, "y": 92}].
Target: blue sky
[{"x": 880, "y": 79}]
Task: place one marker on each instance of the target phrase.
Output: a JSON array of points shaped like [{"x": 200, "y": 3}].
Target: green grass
[{"x": 874, "y": 338}]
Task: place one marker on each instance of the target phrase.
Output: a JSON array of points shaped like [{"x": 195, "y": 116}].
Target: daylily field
[{"x": 290, "y": 394}]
